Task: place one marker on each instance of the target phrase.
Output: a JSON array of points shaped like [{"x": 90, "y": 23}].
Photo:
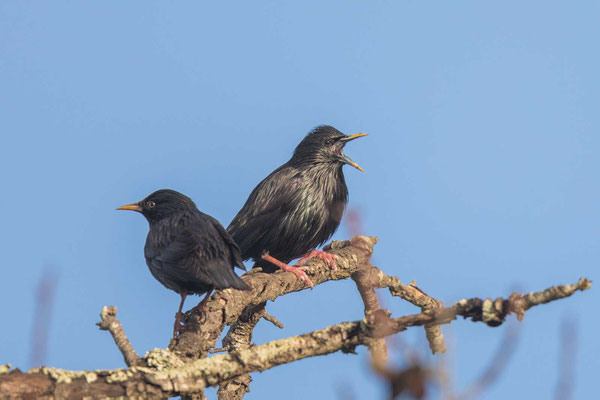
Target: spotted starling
[
  {"x": 298, "y": 206},
  {"x": 186, "y": 250}
]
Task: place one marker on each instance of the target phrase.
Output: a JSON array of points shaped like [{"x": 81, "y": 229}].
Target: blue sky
[{"x": 482, "y": 164}]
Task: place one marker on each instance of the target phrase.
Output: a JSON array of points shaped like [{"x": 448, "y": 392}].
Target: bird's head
[
  {"x": 161, "y": 204},
  {"x": 325, "y": 144}
]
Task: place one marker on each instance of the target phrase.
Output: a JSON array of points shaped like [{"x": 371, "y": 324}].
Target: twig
[
  {"x": 520, "y": 303},
  {"x": 493, "y": 312},
  {"x": 218, "y": 350},
  {"x": 113, "y": 325},
  {"x": 272, "y": 319},
  {"x": 419, "y": 298}
]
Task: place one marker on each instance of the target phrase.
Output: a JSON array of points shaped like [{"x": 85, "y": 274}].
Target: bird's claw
[
  {"x": 178, "y": 324},
  {"x": 300, "y": 273},
  {"x": 327, "y": 258}
]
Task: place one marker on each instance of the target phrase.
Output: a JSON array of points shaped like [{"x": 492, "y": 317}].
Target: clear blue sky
[{"x": 482, "y": 163}]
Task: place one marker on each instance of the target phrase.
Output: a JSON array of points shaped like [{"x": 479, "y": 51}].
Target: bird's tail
[{"x": 223, "y": 277}]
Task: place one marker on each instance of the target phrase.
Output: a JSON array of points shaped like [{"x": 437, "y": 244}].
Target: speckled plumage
[{"x": 299, "y": 205}]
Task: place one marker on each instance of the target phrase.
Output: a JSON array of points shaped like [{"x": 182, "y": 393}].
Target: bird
[
  {"x": 298, "y": 206},
  {"x": 186, "y": 250}
]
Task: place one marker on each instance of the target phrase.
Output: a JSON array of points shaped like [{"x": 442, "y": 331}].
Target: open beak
[
  {"x": 345, "y": 158},
  {"x": 131, "y": 207},
  {"x": 349, "y": 161}
]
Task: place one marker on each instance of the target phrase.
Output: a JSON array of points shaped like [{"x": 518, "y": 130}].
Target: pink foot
[
  {"x": 201, "y": 307},
  {"x": 298, "y": 271},
  {"x": 178, "y": 315},
  {"x": 328, "y": 258}
]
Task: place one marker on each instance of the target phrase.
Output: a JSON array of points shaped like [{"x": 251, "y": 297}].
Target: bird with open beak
[
  {"x": 186, "y": 250},
  {"x": 298, "y": 206}
]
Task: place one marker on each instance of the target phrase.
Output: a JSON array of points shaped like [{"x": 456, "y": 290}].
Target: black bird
[
  {"x": 298, "y": 206},
  {"x": 186, "y": 250}
]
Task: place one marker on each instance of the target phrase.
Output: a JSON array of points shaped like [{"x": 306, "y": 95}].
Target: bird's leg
[
  {"x": 328, "y": 258},
  {"x": 298, "y": 271},
  {"x": 178, "y": 315},
  {"x": 201, "y": 307}
]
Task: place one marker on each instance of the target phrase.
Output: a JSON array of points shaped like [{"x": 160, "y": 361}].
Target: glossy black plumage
[
  {"x": 299, "y": 205},
  {"x": 186, "y": 250}
]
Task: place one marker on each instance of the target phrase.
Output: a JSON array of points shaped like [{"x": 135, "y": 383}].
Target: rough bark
[{"x": 185, "y": 368}]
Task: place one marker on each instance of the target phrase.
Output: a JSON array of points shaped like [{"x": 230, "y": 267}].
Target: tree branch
[
  {"x": 374, "y": 315},
  {"x": 239, "y": 337},
  {"x": 168, "y": 375},
  {"x": 419, "y": 298},
  {"x": 226, "y": 306},
  {"x": 113, "y": 325}
]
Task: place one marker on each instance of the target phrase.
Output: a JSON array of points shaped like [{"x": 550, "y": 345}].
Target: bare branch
[
  {"x": 184, "y": 370},
  {"x": 239, "y": 337},
  {"x": 521, "y": 303},
  {"x": 226, "y": 306},
  {"x": 113, "y": 325},
  {"x": 167, "y": 375},
  {"x": 272, "y": 319},
  {"x": 419, "y": 298},
  {"x": 374, "y": 315},
  {"x": 493, "y": 312}
]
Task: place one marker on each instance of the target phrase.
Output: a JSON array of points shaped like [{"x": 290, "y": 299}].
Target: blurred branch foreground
[{"x": 185, "y": 367}]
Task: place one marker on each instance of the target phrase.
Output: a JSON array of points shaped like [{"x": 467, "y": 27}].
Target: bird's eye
[
  {"x": 328, "y": 142},
  {"x": 150, "y": 204}
]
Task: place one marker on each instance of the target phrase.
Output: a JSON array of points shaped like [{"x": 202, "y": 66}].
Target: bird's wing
[
  {"x": 236, "y": 257},
  {"x": 199, "y": 252},
  {"x": 270, "y": 200}
]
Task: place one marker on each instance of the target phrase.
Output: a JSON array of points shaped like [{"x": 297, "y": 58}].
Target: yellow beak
[
  {"x": 131, "y": 207},
  {"x": 355, "y": 165},
  {"x": 355, "y": 136}
]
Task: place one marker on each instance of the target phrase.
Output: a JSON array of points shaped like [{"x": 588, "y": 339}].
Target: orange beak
[
  {"x": 355, "y": 136},
  {"x": 131, "y": 207}
]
